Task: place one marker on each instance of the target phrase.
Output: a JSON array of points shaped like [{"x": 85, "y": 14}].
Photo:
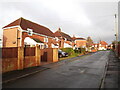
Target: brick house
[
  {"x": 102, "y": 45},
  {"x": 63, "y": 39},
  {"x": 94, "y": 47},
  {"x": 79, "y": 42},
  {"x": 22, "y": 32}
]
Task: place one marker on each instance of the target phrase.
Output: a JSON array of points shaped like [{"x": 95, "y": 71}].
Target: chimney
[
  {"x": 73, "y": 35},
  {"x": 59, "y": 29}
]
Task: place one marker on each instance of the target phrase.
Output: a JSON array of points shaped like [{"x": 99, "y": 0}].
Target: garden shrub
[
  {"x": 70, "y": 51},
  {"x": 82, "y": 50}
]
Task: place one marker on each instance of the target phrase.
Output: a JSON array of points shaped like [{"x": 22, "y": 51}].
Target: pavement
[
  {"x": 112, "y": 77},
  {"x": 14, "y": 75},
  {"x": 78, "y": 72}
]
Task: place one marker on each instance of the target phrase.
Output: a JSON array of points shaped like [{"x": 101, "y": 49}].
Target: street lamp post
[{"x": 116, "y": 31}]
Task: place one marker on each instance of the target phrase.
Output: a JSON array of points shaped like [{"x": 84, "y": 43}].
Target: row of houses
[
  {"x": 42, "y": 45},
  {"x": 25, "y": 33}
]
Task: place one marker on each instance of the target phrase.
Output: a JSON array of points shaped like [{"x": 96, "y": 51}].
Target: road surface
[{"x": 80, "y": 72}]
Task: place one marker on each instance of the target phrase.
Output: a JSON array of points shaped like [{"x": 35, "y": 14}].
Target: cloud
[{"x": 75, "y": 18}]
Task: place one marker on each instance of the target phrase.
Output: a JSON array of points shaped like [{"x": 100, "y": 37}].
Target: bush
[
  {"x": 70, "y": 51},
  {"x": 80, "y": 50}
]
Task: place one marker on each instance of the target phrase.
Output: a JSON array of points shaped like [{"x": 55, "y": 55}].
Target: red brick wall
[
  {"x": 20, "y": 62},
  {"x": 29, "y": 57},
  {"x": 9, "y": 59},
  {"x": 46, "y": 54},
  {"x": 30, "y": 60},
  {"x": 9, "y": 64}
]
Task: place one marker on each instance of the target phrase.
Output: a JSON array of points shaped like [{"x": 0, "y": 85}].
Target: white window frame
[
  {"x": 30, "y": 31},
  {"x": 46, "y": 39},
  {"x": 56, "y": 38}
]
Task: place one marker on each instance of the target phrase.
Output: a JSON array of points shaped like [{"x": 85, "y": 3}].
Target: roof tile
[{"x": 24, "y": 24}]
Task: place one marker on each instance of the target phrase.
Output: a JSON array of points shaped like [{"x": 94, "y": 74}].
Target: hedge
[{"x": 70, "y": 51}]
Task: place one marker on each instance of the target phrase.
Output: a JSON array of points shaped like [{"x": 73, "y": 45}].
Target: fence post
[
  {"x": 55, "y": 54},
  {"x": 37, "y": 55},
  {"x": 20, "y": 58}
]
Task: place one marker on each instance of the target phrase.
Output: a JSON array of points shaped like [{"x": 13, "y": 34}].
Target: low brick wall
[
  {"x": 9, "y": 59},
  {"x": 9, "y": 64},
  {"x": 19, "y": 59},
  {"x": 30, "y": 57},
  {"x": 49, "y": 55},
  {"x": 29, "y": 61}
]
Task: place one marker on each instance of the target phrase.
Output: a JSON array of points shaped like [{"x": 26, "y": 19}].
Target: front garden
[{"x": 73, "y": 53}]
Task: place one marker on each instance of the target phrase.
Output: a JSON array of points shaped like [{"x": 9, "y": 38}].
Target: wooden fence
[
  {"x": 9, "y": 59},
  {"x": 30, "y": 57},
  {"x": 18, "y": 58},
  {"x": 9, "y": 52},
  {"x": 29, "y": 51}
]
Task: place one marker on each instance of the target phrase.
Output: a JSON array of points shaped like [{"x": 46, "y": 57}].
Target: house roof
[
  {"x": 74, "y": 38},
  {"x": 95, "y": 44},
  {"x": 24, "y": 24},
  {"x": 37, "y": 40},
  {"x": 62, "y": 34},
  {"x": 103, "y": 43}
]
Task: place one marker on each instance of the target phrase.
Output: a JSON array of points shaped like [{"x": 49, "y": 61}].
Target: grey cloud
[{"x": 100, "y": 15}]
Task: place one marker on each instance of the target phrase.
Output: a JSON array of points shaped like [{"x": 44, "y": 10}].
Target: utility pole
[{"x": 116, "y": 35}]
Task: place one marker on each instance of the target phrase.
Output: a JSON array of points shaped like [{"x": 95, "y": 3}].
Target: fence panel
[
  {"x": 119, "y": 50},
  {"x": 29, "y": 51},
  {"x": 11, "y": 52}
]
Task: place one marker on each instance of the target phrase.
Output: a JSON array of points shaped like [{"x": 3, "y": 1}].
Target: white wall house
[
  {"x": 66, "y": 45},
  {"x": 31, "y": 42}
]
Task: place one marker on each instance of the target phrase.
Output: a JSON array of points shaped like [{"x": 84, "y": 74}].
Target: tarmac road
[{"x": 83, "y": 72}]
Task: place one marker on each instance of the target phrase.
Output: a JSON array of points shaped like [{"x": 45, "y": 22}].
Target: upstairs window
[
  {"x": 45, "y": 39},
  {"x": 30, "y": 31},
  {"x": 56, "y": 38}
]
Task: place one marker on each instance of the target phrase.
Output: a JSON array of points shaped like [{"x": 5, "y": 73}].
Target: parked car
[{"x": 62, "y": 54}]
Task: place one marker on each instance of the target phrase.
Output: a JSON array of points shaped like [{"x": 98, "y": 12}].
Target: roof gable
[
  {"x": 103, "y": 43},
  {"x": 64, "y": 35},
  {"x": 74, "y": 38},
  {"x": 24, "y": 24}
]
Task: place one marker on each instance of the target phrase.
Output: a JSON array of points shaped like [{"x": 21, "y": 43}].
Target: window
[
  {"x": 45, "y": 39},
  {"x": 30, "y": 32},
  {"x": 46, "y": 46},
  {"x": 60, "y": 43},
  {"x": 65, "y": 39},
  {"x": 56, "y": 38}
]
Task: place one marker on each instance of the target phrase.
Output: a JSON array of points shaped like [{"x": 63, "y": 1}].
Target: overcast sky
[{"x": 82, "y": 19}]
